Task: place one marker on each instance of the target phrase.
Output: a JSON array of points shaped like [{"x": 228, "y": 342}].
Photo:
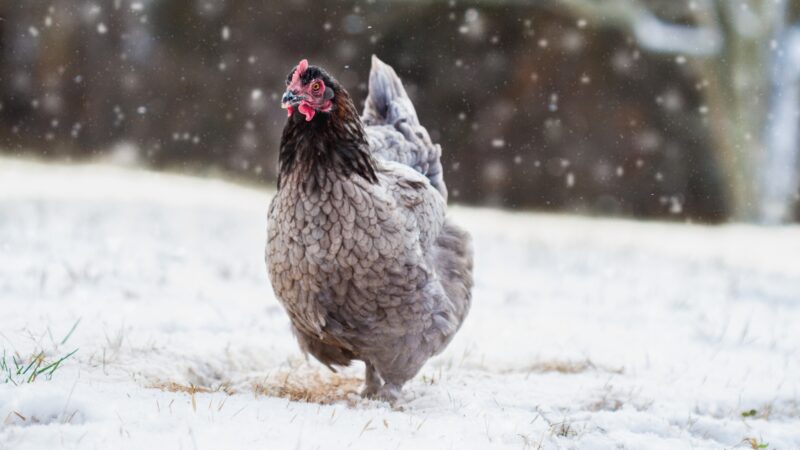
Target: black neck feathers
[{"x": 333, "y": 141}]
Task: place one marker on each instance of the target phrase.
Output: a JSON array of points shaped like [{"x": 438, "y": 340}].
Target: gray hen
[{"x": 359, "y": 249}]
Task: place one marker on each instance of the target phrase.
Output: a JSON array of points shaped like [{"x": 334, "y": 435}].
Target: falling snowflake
[
  {"x": 553, "y": 105},
  {"x": 675, "y": 206}
]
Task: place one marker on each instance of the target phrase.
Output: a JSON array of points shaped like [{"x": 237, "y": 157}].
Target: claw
[
  {"x": 388, "y": 393},
  {"x": 369, "y": 391}
]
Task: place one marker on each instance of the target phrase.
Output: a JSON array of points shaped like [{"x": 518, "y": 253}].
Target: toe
[
  {"x": 388, "y": 393},
  {"x": 369, "y": 391}
]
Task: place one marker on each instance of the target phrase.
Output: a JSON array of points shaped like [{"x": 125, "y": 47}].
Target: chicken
[{"x": 360, "y": 251}]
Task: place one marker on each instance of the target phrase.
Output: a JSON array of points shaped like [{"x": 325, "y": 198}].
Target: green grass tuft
[
  {"x": 750, "y": 413},
  {"x": 16, "y": 369}
]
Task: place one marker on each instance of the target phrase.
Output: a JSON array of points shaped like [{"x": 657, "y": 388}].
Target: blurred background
[{"x": 672, "y": 109}]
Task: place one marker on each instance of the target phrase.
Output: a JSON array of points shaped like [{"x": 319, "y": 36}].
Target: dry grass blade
[
  {"x": 366, "y": 426},
  {"x": 194, "y": 401}
]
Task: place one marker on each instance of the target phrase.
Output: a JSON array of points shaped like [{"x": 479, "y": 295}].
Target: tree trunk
[
  {"x": 736, "y": 93},
  {"x": 780, "y": 180}
]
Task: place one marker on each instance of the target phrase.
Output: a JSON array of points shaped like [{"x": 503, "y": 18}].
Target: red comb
[{"x": 301, "y": 67}]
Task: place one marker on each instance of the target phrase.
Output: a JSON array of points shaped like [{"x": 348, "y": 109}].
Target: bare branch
[{"x": 651, "y": 32}]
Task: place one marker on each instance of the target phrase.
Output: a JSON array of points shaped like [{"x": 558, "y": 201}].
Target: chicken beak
[{"x": 290, "y": 99}]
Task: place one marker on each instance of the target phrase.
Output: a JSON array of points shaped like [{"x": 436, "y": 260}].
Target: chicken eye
[{"x": 315, "y": 87}]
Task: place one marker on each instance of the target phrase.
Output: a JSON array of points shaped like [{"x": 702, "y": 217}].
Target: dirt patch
[
  {"x": 299, "y": 384},
  {"x": 172, "y": 386},
  {"x": 566, "y": 367},
  {"x": 312, "y": 387}
]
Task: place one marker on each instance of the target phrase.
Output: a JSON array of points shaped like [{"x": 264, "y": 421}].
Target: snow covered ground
[{"x": 584, "y": 333}]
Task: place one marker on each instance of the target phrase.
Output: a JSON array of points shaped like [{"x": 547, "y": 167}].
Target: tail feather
[
  {"x": 388, "y": 111},
  {"x": 387, "y": 101}
]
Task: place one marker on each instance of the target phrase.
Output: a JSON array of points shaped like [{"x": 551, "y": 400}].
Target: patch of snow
[
  {"x": 43, "y": 403},
  {"x": 584, "y": 333}
]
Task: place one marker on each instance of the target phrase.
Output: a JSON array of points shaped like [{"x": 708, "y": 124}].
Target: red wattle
[
  {"x": 306, "y": 111},
  {"x": 289, "y": 111}
]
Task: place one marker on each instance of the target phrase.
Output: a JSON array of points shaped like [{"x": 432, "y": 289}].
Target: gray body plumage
[{"x": 373, "y": 271}]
